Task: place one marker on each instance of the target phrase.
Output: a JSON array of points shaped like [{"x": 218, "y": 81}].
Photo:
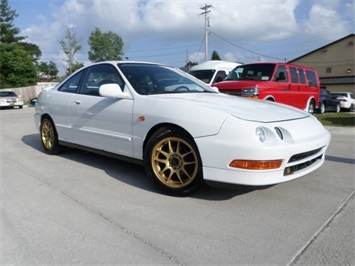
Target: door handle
[{"x": 77, "y": 102}]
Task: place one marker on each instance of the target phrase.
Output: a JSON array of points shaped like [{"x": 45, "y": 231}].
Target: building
[{"x": 335, "y": 63}]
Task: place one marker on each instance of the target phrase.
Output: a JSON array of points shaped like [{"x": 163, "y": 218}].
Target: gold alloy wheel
[
  {"x": 47, "y": 133},
  {"x": 175, "y": 162}
]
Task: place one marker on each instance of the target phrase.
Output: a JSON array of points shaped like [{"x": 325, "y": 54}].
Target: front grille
[
  {"x": 301, "y": 156},
  {"x": 234, "y": 93},
  {"x": 294, "y": 168}
]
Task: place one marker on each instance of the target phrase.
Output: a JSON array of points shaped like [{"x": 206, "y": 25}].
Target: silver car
[{"x": 9, "y": 98}]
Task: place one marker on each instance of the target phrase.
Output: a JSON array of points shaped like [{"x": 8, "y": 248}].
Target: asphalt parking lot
[{"x": 82, "y": 208}]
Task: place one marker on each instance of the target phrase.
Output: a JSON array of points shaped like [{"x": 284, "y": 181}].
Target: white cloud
[
  {"x": 156, "y": 25},
  {"x": 327, "y": 20}
]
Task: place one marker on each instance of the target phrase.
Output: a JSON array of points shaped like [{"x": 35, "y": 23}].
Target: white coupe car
[{"x": 183, "y": 132}]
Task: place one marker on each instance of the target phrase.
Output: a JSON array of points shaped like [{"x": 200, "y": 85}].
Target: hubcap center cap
[{"x": 175, "y": 161}]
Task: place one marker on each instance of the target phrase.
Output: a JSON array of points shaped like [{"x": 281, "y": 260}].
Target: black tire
[
  {"x": 322, "y": 108},
  {"x": 338, "y": 108},
  {"x": 49, "y": 137},
  {"x": 311, "y": 107},
  {"x": 351, "y": 108},
  {"x": 172, "y": 161}
]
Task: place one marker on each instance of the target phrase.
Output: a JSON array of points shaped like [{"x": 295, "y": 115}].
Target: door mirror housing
[{"x": 112, "y": 90}]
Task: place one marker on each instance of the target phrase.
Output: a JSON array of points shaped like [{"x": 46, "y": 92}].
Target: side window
[
  {"x": 294, "y": 75},
  {"x": 302, "y": 76},
  {"x": 144, "y": 85},
  {"x": 99, "y": 75},
  {"x": 220, "y": 76},
  {"x": 71, "y": 85},
  {"x": 281, "y": 74},
  {"x": 312, "y": 79}
]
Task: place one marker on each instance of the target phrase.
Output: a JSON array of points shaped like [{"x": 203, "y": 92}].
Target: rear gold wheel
[{"x": 49, "y": 137}]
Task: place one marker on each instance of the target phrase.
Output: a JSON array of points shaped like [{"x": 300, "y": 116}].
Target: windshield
[
  {"x": 252, "y": 72},
  {"x": 204, "y": 75},
  {"x": 156, "y": 79}
]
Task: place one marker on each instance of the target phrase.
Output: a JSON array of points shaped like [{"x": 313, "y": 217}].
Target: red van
[{"x": 294, "y": 85}]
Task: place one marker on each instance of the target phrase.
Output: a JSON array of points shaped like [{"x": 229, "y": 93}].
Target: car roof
[{"x": 215, "y": 64}]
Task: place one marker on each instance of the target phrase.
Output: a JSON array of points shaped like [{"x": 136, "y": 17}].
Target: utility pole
[{"x": 206, "y": 10}]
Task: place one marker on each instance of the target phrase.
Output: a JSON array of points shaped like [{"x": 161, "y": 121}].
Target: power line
[{"x": 250, "y": 51}]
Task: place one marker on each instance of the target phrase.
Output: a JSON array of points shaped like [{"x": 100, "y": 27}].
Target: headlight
[
  {"x": 250, "y": 92},
  {"x": 260, "y": 132}
]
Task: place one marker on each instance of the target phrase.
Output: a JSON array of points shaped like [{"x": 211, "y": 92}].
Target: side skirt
[{"x": 101, "y": 152}]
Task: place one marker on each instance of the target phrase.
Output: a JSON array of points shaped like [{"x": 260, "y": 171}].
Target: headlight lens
[
  {"x": 260, "y": 132},
  {"x": 249, "y": 92}
]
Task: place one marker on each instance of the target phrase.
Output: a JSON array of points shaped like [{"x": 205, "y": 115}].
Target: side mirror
[{"x": 112, "y": 90}]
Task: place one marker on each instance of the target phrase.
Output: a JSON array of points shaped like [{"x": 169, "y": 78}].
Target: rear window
[
  {"x": 7, "y": 94},
  {"x": 337, "y": 94}
]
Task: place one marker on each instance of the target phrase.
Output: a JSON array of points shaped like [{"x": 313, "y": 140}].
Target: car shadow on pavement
[
  {"x": 339, "y": 159},
  {"x": 134, "y": 175}
]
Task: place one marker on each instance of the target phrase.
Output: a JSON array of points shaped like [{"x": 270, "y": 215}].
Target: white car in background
[
  {"x": 212, "y": 71},
  {"x": 347, "y": 100},
  {"x": 9, "y": 98},
  {"x": 182, "y": 131}
]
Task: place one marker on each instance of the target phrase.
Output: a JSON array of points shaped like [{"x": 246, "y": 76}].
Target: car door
[
  {"x": 58, "y": 109},
  {"x": 281, "y": 85},
  {"x": 100, "y": 122}
]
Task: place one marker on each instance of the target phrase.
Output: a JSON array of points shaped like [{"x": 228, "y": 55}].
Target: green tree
[
  {"x": 191, "y": 64},
  {"x": 105, "y": 46},
  {"x": 8, "y": 32},
  {"x": 32, "y": 48},
  {"x": 47, "y": 71},
  {"x": 71, "y": 45},
  {"x": 215, "y": 56},
  {"x": 17, "y": 67},
  {"x": 18, "y": 58}
]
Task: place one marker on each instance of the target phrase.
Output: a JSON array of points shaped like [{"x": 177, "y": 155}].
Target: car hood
[{"x": 243, "y": 108}]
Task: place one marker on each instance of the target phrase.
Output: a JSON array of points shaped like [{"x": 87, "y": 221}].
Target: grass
[{"x": 342, "y": 119}]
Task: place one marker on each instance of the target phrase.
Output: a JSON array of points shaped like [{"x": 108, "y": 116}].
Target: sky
[{"x": 173, "y": 31}]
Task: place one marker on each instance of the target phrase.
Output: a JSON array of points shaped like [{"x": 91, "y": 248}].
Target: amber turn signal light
[{"x": 256, "y": 164}]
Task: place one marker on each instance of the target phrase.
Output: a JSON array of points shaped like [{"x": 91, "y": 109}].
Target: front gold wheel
[{"x": 174, "y": 162}]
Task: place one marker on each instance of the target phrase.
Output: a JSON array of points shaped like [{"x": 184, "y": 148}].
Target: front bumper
[{"x": 302, "y": 150}]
